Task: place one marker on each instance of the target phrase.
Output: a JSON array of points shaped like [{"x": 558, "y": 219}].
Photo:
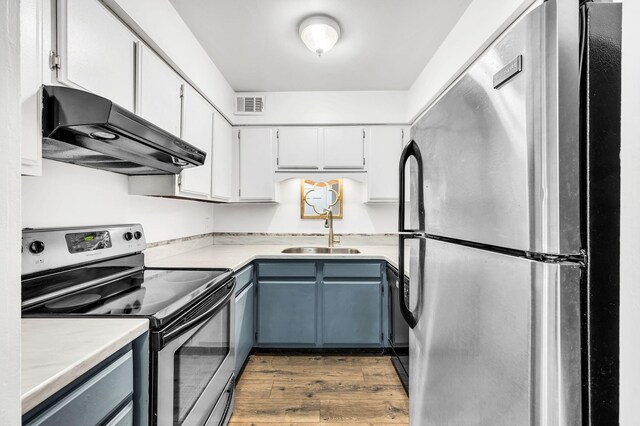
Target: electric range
[{"x": 99, "y": 272}]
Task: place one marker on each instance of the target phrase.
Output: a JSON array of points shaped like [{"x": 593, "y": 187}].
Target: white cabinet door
[
  {"x": 159, "y": 90},
  {"x": 256, "y": 165},
  {"x": 344, "y": 147},
  {"x": 222, "y": 159},
  {"x": 297, "y": 148},
  {"x": 197, "y": 129},
  {"x": 97, "y": 51},
  {"x": 383, "y": 159},
  {"x": 31, "y": 72}
]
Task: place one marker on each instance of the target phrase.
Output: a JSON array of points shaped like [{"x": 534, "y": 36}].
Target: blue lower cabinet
[
  {"x": 286, "y": 313},
  {"x": 352, "y": 313},
  {"x": 95, "y": 400},
  {"x": 244, "y": 324},
  {"x": 318, "y": 304},
  {"x": 113, "y": 393}
]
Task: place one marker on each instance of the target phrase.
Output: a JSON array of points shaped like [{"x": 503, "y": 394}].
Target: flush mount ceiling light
[{"x": 319, "y": 33}]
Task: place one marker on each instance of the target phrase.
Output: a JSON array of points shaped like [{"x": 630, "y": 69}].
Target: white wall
[
  {"x": 69, "y": 195},
  {"x": 285, "y": 216},
  {"x": 477, "y": 28},
  {"x": 10, "y": 408},
  {"x": 160, "y": 25},
  {"x": 347, "y": 107},
  {"x": 629, "y": 224}
]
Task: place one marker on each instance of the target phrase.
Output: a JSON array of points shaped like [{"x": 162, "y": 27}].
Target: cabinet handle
[{"x": 364, "y": 161}]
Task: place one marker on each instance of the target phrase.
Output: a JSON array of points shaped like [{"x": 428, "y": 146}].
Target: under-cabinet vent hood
[{"x": 85, "y": 129}]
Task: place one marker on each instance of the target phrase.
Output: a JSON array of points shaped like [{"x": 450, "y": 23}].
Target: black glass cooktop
[{"x": 155, "y": 293}]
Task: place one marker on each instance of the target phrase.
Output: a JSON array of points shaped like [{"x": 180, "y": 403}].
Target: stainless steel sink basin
[{"x": 321, "y": 250}]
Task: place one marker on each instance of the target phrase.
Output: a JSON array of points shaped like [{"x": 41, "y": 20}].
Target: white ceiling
[{"x": 384, "y": 43}]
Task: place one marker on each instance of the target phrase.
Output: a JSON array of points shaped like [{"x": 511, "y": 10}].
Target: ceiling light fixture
[{"x": 319, "y": 33}]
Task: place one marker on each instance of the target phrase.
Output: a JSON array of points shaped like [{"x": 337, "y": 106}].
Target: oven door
[{"x": 195, "y": 363}]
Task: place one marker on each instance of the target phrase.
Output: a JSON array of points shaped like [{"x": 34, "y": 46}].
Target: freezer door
[
  {"x": 500, "y": 147},
  {"x": 497, "y": 339}
]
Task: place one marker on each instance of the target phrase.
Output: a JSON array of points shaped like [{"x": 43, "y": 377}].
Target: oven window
[{"x": 196, "y": 362}]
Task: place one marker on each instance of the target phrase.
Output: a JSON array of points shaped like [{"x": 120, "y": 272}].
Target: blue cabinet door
[
  {"x": 244, "y": 325},
  {"x": 287, "y": 313},
  {"x": 352, "y": 313}
]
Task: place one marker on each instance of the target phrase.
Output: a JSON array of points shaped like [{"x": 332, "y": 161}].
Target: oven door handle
[
  {"x": 166, "y": 337},
  {"x": 227, "y": 407}
]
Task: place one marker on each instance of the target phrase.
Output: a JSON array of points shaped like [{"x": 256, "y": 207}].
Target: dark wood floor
[{"x": 325, "y": 390}]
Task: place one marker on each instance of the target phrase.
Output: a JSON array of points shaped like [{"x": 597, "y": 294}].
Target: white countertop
[
  {"x": 56, "y": 351},
  {"x": 237, "y": 256}
]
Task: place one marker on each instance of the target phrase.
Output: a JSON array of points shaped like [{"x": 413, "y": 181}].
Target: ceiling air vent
[{"x": 249, "y": 105}]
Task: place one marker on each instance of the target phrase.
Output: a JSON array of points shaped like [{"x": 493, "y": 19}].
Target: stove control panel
[
  {"x": 45, "y": 249},
  {"x": 78, "y": 242}
]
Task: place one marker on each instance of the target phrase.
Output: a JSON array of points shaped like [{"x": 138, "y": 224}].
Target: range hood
[{"x": 85, "y": 129}]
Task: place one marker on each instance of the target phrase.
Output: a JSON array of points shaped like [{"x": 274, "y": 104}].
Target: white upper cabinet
[
  {"x": 197, "y": 129},
  {"x": 256, "y": 165},
  {"x": 383, "y": 158},
  {"x": 97, "y": 52},
  {"x": 159, "y": 92},
  {"x": 222, "y": 159},
  {"x": 31, "y": 79},
  {"x": 298, "y": 148},
  {"x": 344, "y": 147}
]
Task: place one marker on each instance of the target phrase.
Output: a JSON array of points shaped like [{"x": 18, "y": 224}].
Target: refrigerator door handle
[
  {"x": 411, "y": 150},
  {"x": 410, "y": 317}
]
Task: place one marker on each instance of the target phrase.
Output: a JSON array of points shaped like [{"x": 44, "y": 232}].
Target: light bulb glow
[{"x": 319, "y": 34}]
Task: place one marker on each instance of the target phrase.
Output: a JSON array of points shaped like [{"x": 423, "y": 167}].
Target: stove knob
[
  {"x": 128, "y": 236},
  {"x": 36, "y": 247},
  {"x": 137, "y": 235}
]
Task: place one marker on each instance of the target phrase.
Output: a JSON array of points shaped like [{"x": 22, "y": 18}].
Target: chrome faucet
[{"x": 328, "y": 223}]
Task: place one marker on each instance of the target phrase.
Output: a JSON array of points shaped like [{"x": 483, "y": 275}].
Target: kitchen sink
[{"x": 321, "y": 250}]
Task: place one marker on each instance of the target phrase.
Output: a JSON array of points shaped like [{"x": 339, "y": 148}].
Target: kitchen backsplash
[{"x": 163, "y": 249}]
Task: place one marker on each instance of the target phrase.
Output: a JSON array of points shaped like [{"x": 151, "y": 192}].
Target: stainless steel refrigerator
[{"x": 511, "y": 228}]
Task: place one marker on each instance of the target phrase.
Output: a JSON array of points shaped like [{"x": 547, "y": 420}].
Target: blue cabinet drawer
[
  {"x": 243, "y": 278},
  {"x": 352, "y": 313},
  {"x": 287, "y": 270},
  {"x": 287, "y": 312},
  {"x": 352, "y": 270},
  {"x": 91, "y": 402}
]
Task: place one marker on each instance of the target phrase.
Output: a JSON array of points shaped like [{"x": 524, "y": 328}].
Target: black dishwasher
[{"x": 398, "y": 329}]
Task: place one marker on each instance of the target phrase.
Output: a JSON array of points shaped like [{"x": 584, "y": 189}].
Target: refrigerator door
[
  {"x": 496, "y": 338},
  {"x": 501, "y": 148}
]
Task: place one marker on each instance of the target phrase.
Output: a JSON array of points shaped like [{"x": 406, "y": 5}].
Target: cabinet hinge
[
  {"x": 363, "y": 134},
  {"x": 382, "y": 337},
  {"x": 278, "y": 134},
  {"x": 277, "y": 161},
  {"x": 239, "y": 192},
  {"x": 182, "y": 90},
  {"x": 180, "y": 180},
  {"x": 256, "y": 336},
  {"x": 54, "y": 61},
  {"x": 402, "y": 135}
]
